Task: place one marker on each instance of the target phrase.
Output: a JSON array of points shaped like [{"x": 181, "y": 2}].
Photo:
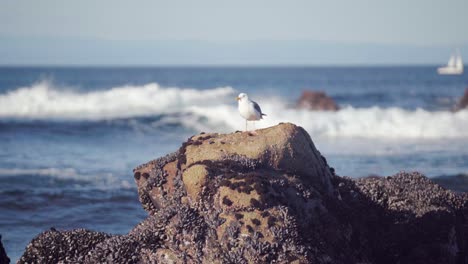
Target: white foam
[
  {"x": 214, "y": 110},
  {"x": 375, "y": 122},
  {"x": 44, "y": 101}
]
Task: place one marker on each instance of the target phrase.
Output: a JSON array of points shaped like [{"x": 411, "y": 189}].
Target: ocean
[{"x": 70, "y": 136}]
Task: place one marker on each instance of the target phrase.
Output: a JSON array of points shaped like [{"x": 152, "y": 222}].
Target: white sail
[
  {"x": 459, "y": 62},
  {"x": 451, "y": 61}
]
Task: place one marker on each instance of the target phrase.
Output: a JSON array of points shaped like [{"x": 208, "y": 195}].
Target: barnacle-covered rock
[
  {"x": 270, "y": 197},
  {"x": 55, "y": 246},
  {"x": 284, "y": 147}
]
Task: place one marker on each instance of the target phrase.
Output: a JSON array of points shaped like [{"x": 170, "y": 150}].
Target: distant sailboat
[{"x": 454, "y": 65}]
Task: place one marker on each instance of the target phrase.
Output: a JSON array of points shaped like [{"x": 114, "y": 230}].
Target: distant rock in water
[
  {"x": 463, "y": 103},
  {"x": 4, "y": 259},
  {"x": 457, "y": 183},
  {"x": 271, "y": 197},
  {"x": 316, "y": 100}
]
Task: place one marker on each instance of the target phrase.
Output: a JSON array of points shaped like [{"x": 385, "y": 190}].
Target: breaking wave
[
  {"x": 374, "y": 122},
  {"x": 213, "y": 110},
  {"x": 44, "y": 101}
]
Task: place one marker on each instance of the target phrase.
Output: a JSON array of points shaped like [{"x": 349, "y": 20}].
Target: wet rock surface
[
  {"x": 316, "y": 100},
  {"x": 4, "y": 259},
  {"x": 270, "y": 197},
  {"x": 463, "y": 103}
]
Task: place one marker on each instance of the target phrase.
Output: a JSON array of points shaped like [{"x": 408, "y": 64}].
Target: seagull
[{"x": 248, "y": 109}]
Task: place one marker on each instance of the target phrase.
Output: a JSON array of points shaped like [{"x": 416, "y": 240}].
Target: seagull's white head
[{"x": 242, "y": 97}]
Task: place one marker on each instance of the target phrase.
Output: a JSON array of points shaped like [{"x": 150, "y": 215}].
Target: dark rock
[
  {"x": 405, "y": 218},
  {"x": 463, "y": 103},
  {"x": 316, "y": 100},
  {"x": 61, "y": 246},
  {"x": 456, "y": 183},
  {"x": 4, "y": 259},
  {"x": 271, "y": 198}
]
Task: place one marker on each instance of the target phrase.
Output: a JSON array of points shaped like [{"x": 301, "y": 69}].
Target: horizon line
[{"x": 214, "y": 65}]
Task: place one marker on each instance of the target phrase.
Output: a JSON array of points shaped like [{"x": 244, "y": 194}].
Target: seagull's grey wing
[{"x": 257, "y": 108}]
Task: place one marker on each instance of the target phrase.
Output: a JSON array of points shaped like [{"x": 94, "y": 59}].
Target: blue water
[{"x": 70, "y": 137}]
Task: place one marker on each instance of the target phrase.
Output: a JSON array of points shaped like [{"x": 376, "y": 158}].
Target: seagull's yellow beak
[{"x": 237, "y": 98}]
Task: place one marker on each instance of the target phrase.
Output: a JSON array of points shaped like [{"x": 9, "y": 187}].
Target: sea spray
[{"x": 213, "y": 110}]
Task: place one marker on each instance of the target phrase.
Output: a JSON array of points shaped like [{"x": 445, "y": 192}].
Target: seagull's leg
[
  {"x": 254, "y": 132},
  {"x": 246, "y": 125}
]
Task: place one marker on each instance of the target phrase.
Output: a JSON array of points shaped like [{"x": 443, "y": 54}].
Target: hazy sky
[{"x": 258, "y": 32}]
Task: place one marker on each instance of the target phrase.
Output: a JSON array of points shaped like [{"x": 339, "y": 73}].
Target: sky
[{"x": 218, "y": 32}]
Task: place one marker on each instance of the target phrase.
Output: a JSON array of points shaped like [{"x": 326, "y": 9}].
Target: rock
[
  {"x": 406, "y": 218},
  {"x": 4, "y": 259},
  {"x": 270, "y": 197},
  {"x": 463, "y": 103},
  {"x": 285, "y": 147},
  {"x": 316, "y": 100},
  {"x": 61, "y": 246},
  {"x": 457, "y": 183}
]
